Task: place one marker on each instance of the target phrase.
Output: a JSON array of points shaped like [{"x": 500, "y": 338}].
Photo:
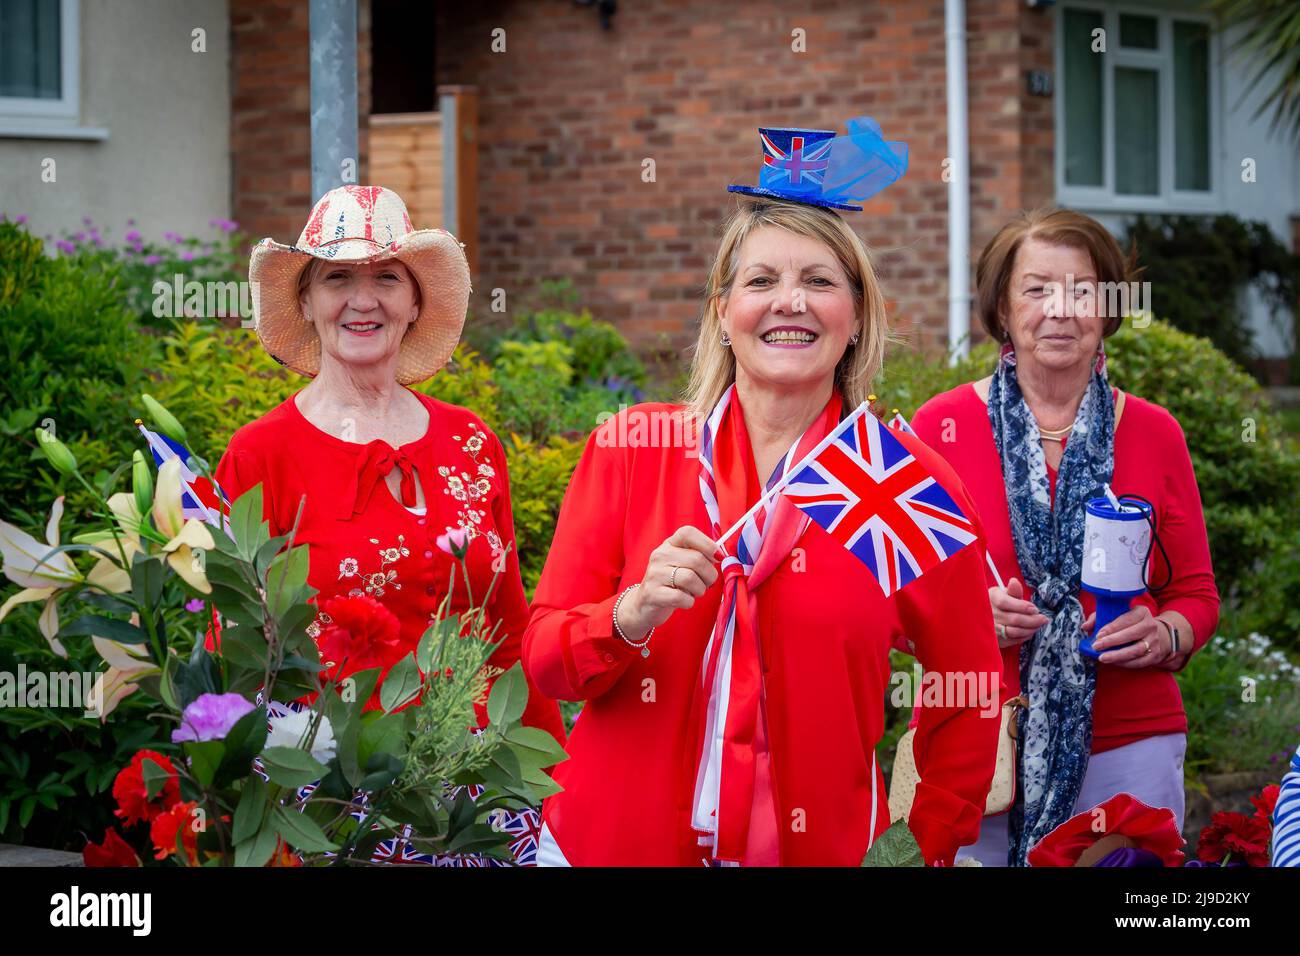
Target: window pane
[
  {"x": 1084, "y": 142},
  {"x": 1191, "y": 105},
  {"x": 1138, "y": 33},
  {"x": 29, "y": 48},
  {"x": 1137, "y": 142}
]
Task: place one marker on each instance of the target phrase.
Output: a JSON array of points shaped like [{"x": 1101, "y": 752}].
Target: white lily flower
[
  {"x": 25, "y": 558},
  {"x": 194, "y": 534},
  {"x": 168, "y": 517}
]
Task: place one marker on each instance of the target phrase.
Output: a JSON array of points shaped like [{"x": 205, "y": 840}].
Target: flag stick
[
  {"x": 994, "y": 568},
  {"x": 790, "y": 474}
]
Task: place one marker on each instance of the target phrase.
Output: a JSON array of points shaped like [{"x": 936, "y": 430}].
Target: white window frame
[
  {"x": 38, "y": 117},
  {"x": 1105, "y": 198}
]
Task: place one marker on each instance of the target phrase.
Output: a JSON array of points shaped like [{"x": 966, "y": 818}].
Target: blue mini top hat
[{"x": 818, "y": 168}]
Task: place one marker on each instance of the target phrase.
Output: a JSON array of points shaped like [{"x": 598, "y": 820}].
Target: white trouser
[
  {"x": 1151, "y": 769},
  {"x": 548, "y": 851}
]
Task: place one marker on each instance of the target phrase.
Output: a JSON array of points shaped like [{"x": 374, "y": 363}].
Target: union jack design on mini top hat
[
  {"x": 818, "y": 168},
  {"x": 356, "y": 224}
]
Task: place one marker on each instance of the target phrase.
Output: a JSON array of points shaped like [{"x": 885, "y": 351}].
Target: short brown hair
[{"x": 1061, "y": 227}]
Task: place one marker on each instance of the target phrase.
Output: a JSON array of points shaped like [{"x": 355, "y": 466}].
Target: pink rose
[{"x": 455, "y": 542}]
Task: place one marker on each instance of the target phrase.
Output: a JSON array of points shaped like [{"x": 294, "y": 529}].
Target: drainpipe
[
  {"x": 333, "y": 44},
  {"x": 959, "y": 294}
]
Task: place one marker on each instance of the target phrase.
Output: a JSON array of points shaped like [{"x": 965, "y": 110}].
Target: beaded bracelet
[{"x": 643, "y": 645}]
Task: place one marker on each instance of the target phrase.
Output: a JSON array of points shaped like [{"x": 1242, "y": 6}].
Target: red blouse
[
  {"x": 363, "y": 540},
  {"x": 826, "y": 629},
  {"x": 1151, "y": 459}
]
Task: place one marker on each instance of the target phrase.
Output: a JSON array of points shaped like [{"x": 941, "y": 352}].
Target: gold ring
[
  {"x": 672, "y": 578},
  {"x": 1146, "y": 644}
]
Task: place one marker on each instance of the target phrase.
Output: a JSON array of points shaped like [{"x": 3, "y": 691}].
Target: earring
[
  {"x": 725, "y": 340},
  {"x": 853, "y": 339}
]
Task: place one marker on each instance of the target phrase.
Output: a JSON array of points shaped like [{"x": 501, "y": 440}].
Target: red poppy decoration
[
  {"x": 114, "y": 851},
  {"x": 133, "y": 803},
  {"x": 177, "y": 820},
  {"x": 1236, "y": 838},
  {"x": 1124, "y": 817},
  {"x": 1266, "y": 802}
]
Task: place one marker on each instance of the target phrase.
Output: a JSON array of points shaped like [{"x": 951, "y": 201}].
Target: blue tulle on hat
[{"x": 818, "y": 168}]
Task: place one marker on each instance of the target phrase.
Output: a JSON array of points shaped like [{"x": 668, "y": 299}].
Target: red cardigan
[
  {"x": 1151, "y": 459},
  {"x": 363, "y": 539},
  {"x": 827, "y": 630}
]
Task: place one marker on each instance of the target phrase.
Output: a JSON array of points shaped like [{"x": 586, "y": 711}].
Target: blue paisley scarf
[{"x": 1055, "y": 730}]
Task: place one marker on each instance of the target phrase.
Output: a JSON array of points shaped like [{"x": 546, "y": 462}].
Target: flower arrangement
[{"x": 291, "y": 750}]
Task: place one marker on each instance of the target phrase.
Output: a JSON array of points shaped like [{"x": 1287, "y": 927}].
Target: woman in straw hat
[
  {"x": 390, "y": 479},
  {"x": 734, "y": 706}
]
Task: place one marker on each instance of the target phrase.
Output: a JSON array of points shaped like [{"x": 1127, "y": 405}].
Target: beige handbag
[{"x": 903, "y": 781}]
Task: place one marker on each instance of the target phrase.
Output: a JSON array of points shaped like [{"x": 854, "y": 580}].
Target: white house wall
[{"x": 166, "y": 160}]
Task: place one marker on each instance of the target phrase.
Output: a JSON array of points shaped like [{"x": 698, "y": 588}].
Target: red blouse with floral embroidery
[{"x": 362, "y": 540}]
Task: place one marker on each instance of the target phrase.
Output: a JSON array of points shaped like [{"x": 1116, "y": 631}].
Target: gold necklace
[{"x": 1054, "y": 434}]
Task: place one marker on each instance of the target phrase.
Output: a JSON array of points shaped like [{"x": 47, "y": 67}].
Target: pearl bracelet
[{"x": 643, "y": 644}]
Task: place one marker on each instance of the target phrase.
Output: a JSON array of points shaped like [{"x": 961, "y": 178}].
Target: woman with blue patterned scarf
[{"x": 1033, "y": 442}]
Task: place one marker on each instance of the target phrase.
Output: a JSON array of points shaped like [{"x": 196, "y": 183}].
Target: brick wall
[
  {"x": 270, "y": 117},
  {"x": 569, "y": 112}
]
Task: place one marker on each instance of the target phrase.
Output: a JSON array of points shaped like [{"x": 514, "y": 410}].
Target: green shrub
[
  {"x": 74, "y": 355},
  {"x": 1198, "y": 266},
  {"x": 1247, "y": 469},
  {"x": 1242, "y": 697},
  {"x": 539, "y": 476}
]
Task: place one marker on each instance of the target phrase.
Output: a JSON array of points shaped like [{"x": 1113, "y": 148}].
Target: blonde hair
[{"x": 713, "y": 366}]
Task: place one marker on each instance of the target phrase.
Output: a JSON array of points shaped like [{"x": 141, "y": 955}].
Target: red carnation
[
  {"x": 1236, "y": 837},
  {"x": 114, "y": 851},
  {"x": 178, "y": 819},
  {"x": 133, "y": 803},
  {"x": 1266, "y": 802},
  {"x": 362, "y": 633}
]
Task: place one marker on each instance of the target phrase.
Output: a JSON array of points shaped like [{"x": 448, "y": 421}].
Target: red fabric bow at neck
[{"x": 376, "y": 462}]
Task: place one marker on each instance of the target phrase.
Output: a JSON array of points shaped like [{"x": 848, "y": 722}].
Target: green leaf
[
  {"x": 147, "y": 578},
  {"x": 401, "y": 685},
  {"x": 301, "y": 832},
  {"x": 381, "y": 770},
  {"x": 244, "y": 742},
  {"x": 265, "y": 554},
  {"x": 247, "y": 528},
  {"x": 380, "y": 734},
  {"x": 285, "y": 580},
  {"x": 509, "y": 696},
  {"x": 895, "y": 847},
  {"x": 476, "y": 836},
  {"x": 97, "y": 626},
  {"x": 291, "y": 767},
  {"x": 205, "y": 757},
  {"x": 154, "y": 777},
  {"x": 256, "y": 850},
  {"x": 251, "y": 810},
  {"x": 201, "y": 676},
  {"x": 535, "y": 747}
]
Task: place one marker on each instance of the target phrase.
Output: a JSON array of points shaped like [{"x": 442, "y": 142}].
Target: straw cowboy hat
[{"x": 357, "y": 224}]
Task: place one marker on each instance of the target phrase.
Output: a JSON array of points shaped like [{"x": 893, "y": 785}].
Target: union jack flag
[
  {"x": 200, "y": 497},
  {"x": 872, "y": 496},
  {"x": 802, "y": 160}
]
